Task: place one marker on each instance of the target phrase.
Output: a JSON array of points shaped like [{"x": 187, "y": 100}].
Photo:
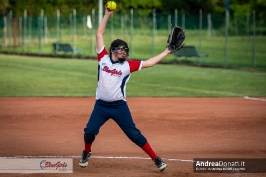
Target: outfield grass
[{"x": 32, "y": 76}]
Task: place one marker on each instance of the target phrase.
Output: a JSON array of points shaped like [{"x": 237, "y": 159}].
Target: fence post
[
  {"x": 9, "y": 31},
  {"x": 226, "y": 37},
  {"x": 154, "y": 31},
  {"x": 100, "y": 4},
  {"x": 40, "y": 31},
  {"x": 74, "y": 32},
  {"x": 30, "y": 30},
  {"x": 92, "y": 31},
  {"x": 131, "y": 30},
  {"x": 254, "y": 38},
  {"x": 24, "y": 31},
  {"x": 200, "y": 31},
  {"x": 176, "y": 24},
  {"x": 176, "y": 17},
  {"x": 169, "y": 22},
  {"x": 209, "y": 26},
  {"x": 45, "y": 30},
  {"x": 57, "y": 31}
]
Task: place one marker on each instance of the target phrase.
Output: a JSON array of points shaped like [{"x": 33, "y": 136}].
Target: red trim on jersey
[
  {"x": 100, "y": 55},
  {"x": 134, "y": 65}
]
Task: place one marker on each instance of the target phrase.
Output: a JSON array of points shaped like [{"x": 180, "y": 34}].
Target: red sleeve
[
  {"x": 103, "y": 52},
  {"x": 134, "y": 65}
]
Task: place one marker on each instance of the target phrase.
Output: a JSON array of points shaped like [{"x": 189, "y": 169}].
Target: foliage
[{"x": 34, "y": 7}]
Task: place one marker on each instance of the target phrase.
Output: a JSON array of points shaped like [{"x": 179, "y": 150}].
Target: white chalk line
[
  {"x": 96, "y": 157},
  {"x": 256, "y": 99}
]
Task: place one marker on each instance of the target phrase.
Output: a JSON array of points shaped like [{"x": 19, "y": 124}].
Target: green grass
[{"x": 32, "y": 76}]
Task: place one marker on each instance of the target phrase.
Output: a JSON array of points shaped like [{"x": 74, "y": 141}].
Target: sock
[
  {"x": 147, "y": 148},
  {"x": 88, "y": 147}
]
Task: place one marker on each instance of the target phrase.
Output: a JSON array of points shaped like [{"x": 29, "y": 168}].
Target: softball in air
[{"x": 111, "y": 5}]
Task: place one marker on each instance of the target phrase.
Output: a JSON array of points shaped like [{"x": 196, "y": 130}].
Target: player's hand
[
  {"x": 108, "y": 12},
  {"x": 167, "y": 50}
]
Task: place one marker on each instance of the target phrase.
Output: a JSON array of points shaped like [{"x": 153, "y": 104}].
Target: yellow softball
[{"x": 111, "y": 5}]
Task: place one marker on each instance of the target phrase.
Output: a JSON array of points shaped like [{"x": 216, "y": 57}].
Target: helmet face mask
[{"x": 121, "y": 48}]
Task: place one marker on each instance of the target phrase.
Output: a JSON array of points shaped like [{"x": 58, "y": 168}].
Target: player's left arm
[{"x": 154, "y": 60}]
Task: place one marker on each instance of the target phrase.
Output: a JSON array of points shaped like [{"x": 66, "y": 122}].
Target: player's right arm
[{"x": 101, "y": 29}]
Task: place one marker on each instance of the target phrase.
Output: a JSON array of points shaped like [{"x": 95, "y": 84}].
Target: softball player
[{"x": 113, "y": 74}]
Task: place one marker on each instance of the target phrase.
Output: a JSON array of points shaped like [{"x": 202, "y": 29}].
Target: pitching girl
[{"x": 114, "y": 71}]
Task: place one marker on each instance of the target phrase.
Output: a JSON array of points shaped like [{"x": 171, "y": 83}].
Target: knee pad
[{"x": 89, "y": 138}]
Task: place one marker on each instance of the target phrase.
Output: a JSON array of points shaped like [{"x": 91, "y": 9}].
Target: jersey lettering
[{"x": 112, "y": 72}]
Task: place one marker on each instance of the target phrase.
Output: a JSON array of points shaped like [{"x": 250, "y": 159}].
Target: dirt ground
[{"x": 177, "y": 128}]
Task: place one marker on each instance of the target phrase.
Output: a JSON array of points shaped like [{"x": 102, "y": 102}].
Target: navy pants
[{"x": 119, "y": 112}]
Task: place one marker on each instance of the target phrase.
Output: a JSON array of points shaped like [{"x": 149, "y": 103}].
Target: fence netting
[{"x": 228, "y": 40}]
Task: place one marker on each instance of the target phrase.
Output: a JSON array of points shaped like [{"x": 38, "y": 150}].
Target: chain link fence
[{"x": 228, "y": 40}]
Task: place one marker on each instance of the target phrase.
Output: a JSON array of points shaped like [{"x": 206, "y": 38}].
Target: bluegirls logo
[
  {"x": 112, "y": 72},
  {"x": 48, "y": 165}
]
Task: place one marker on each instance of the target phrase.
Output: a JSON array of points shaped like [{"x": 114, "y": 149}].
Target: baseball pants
[{"x": 120, "y": 113}]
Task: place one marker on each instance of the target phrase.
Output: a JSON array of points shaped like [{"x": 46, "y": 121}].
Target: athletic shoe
[
  {"x": 160, "y": 163},
  {"x": 83, "y": 162}
]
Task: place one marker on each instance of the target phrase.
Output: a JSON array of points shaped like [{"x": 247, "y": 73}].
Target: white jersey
[{"x": 113, "y": 76}]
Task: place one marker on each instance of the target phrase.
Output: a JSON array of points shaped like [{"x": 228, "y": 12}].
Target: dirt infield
[{"x": 177, "y": 128}]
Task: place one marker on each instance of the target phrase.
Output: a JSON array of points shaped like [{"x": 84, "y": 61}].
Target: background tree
[{"x": 34, "y": 7}]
